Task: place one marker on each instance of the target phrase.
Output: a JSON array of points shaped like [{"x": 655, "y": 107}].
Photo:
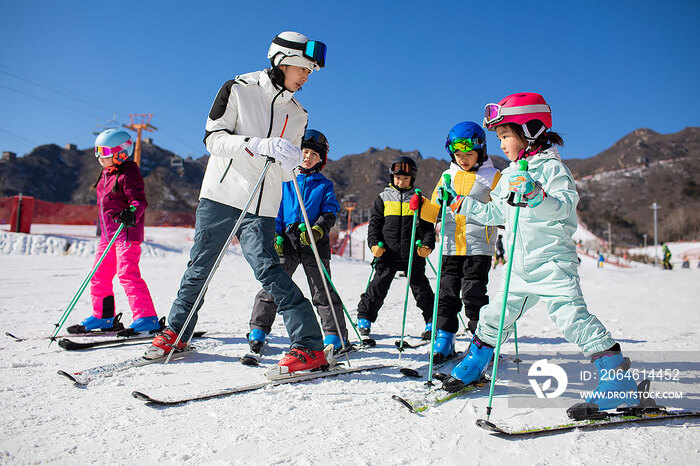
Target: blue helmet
[
  {"x": 464, "y": 137},
  {"x": 115, "y": 143}
]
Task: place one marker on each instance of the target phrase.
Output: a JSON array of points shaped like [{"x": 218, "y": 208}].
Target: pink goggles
[
  {"x": 495, "y": 113},
  {"x": 104, "y": 151}
]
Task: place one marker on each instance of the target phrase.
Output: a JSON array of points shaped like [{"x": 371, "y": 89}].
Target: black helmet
[
  {"x": 316, "y": 141},
  {"x": 404, "y": 166}
]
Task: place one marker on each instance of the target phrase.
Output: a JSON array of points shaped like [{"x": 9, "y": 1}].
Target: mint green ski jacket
[{"x": 544, "y": 232}]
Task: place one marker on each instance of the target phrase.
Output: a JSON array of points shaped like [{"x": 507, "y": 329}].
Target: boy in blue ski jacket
[{"x": 293, "y": 245}]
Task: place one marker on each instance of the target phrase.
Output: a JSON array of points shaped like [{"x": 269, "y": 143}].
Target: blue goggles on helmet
[{"x": 314, "y": 50}]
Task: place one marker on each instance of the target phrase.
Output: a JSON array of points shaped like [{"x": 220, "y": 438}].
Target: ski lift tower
[
  {"x": 139, "y": 122},
  {"x": 350, "y": 206}
]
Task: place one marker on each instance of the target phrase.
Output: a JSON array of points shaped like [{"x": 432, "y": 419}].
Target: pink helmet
[{"x": 520, "y": 109}]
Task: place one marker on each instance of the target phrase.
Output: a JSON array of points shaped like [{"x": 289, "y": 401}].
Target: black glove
[{"x": 127, "y": 217}]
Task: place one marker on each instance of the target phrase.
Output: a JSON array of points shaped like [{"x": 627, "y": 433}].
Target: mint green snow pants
[{"x": 557, "y": 285}]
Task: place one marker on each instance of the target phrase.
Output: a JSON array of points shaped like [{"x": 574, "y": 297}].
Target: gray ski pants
[
  {"x": 264, "y": 309},
  {"x": 257, "y": 234}
]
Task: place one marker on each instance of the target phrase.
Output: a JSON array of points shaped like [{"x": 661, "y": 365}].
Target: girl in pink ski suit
[{"x": 119, "y": 186}]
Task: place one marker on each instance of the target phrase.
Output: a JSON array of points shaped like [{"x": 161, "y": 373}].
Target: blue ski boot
[
  {"x": 337, "y": 344},
  {"x": 92, "y": 323},
  {"x": 616, "y": 388},
  {"x": 471, "y": 368},
  {"x": 145, "y": 325},
  {"x": 365, "y": 326},
  {"x": 427, "y": 333},
  {"x": 256, "y": 340},
  {"x": 444, "y": 346}
]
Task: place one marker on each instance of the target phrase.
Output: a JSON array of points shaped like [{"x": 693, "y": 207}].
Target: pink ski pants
[{"x": 121, "y": 260}]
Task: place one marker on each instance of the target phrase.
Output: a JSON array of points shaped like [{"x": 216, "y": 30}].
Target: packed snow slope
[{"x": 343, "y": 420}]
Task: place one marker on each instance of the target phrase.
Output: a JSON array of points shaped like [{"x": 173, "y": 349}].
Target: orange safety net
[{"x": 67, "y": 214}]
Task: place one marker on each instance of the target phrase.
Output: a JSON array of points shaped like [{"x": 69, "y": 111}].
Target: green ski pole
[
  {"x": 430, "y": 263},
  {"x": 419, "y": 243},
  {"x": 302, "y": 228},
  {"x": 374, "y": 264},
  {"x": 446, "y": 182},
  {"x": 408, "y": 274},
  {"x": 506, "y": 285},
  {"x": 83, "y": 285},
  {"x": 461, "y": 319}
]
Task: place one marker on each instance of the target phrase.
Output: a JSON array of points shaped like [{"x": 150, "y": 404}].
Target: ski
[
  {"x": 290, "y": 378},
  {"x": 250, "y": 359},
  {"x": 70, "y": 345},
  {"x": 437, "y": 396},
  {"x": 421, "y": 342},
  {"x": 414, "y": 373},
  {"x": 407, "y": 345},
  {"x": 83, "y": 378},
  {"x": 613, "y": 419}
]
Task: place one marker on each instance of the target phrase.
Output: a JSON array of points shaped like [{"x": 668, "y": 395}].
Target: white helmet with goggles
[{"x": 292, "y": 48}]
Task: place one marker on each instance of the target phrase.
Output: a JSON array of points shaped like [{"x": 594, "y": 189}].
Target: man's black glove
[{"x": 127, "y": 217}]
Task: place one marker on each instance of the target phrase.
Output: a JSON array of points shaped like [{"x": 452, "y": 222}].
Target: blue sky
[{"x": 398, "y": 74}]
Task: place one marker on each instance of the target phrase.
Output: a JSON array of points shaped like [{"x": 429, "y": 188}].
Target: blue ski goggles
[{"x": 314, "y": 50}]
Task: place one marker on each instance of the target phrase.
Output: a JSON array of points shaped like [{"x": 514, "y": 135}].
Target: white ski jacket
[{"x": 249, "y": 106}]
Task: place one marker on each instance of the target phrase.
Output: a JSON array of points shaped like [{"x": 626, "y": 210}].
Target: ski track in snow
[{"x": 342, "y": 420}]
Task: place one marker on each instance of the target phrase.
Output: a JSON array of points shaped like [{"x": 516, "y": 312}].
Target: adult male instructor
[{"x": 254, "y": 116}]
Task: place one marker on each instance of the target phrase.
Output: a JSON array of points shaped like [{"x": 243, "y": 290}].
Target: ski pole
[
  {"x": 408, "y": 274},
  {"x": 314, "y": 248},
  {"x": 419, "y": 243},
  {"x": 328, "y": 276},
  {"x": 221, "y": 255},
  {"x": 515, "y": 334},
  {"x": 86, "y": 280},
  {"x": 506, "y": 285},
  {"x": 461, "y": 319},
  {"x": 374, "y": 265},
  {"x": 446, "y": 182}
]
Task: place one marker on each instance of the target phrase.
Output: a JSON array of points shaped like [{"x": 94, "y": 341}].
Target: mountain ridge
[{"x": 616, "y": 187}]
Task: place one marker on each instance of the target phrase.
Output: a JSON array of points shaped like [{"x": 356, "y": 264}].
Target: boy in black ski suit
[{"x": 391, "y": 224}]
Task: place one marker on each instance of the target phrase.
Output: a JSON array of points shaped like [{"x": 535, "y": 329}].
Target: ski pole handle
[
  {"x": 302, "y": 227},
  {"x": 446, "y": 180},
  {"x": 380, "y": 244},
  {"x": 522, "y": 166}
]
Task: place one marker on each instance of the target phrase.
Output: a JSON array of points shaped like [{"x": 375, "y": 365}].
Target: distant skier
[
  {"x": 667, "y": 257},
  {"x": 391, "y": 223},
  {"x": 601, "y": 260},
  {"x": 469, "y": 245},
  {"x": 254, "y": 116},
  {"x": 293, "y": 245},
  {"x": 500, "y": 252},
  {"x": 119, "y": 186},
  {"x": 544, "y": 263}
]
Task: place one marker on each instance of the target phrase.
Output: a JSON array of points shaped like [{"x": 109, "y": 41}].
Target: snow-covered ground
[{"x": 342, "y": 420}]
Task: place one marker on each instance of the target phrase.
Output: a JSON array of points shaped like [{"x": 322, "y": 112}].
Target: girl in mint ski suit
[{"x": 544, "y": 262}]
